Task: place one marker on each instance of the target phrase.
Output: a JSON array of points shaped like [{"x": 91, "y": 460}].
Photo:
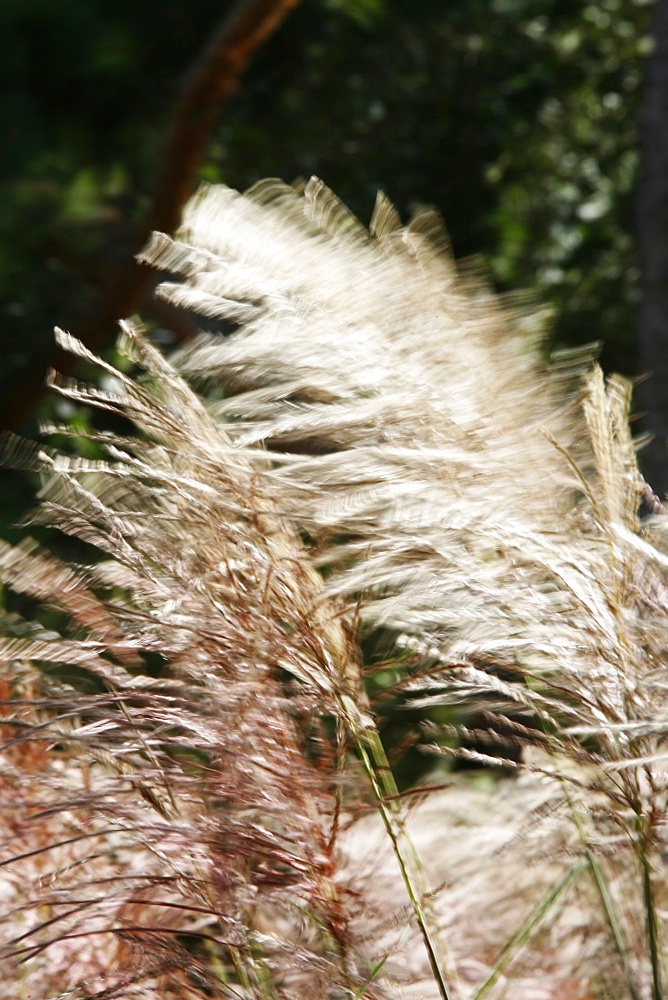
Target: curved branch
[{"x": 213, "y": 77}]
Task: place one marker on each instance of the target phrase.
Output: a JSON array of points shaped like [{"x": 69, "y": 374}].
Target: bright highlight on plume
[{"x": 364, "y": 445}]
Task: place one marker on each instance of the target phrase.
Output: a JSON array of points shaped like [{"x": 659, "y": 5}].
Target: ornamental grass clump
[{"x": 363, "y": 440}]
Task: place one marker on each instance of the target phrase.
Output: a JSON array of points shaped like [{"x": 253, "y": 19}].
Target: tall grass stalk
[
  {"x": 364, "y": 440},
  {"x": 386, "y": 793},
  {"x": 524, "y": 933}
]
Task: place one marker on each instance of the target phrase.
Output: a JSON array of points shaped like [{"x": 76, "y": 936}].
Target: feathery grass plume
[
  {"x": 423, "y": 396},
  {"x": 198, "y": 715},
  {"x": 462, "y": 499},
  {"x": 191, "y": 792}
]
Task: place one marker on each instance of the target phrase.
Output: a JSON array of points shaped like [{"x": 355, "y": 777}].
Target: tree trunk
[{"x": 652, "y": 233}]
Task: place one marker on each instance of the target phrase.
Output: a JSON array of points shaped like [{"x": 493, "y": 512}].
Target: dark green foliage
[{"x": 516, "y": 119}]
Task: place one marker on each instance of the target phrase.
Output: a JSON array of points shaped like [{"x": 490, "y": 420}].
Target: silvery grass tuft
[{"x": 196, "y": 797}]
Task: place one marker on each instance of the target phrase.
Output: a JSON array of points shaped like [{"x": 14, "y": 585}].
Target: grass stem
[{"x": 376, "y": 765}]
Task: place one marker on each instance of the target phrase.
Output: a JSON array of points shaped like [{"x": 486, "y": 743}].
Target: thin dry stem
[{"x": 385, "y": 447}]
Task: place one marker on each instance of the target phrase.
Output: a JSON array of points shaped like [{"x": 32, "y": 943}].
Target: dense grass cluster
[{"x": 196, "y": 796}]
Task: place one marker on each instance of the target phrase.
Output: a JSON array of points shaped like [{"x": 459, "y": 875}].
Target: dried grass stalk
[{"x": 384, "y": 448}]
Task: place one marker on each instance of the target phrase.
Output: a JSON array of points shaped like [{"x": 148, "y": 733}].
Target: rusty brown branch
[
  {"x": 213, "y": 79},
  {"x": 214, "y": 76}
]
